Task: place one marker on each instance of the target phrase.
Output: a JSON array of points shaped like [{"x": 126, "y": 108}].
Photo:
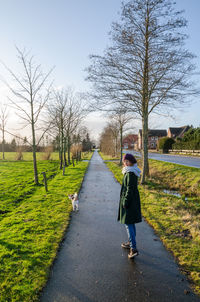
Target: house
[
  {"x": 177, "y": 132},
  {"x": 153, "y": 137},
  {"x": 130, "y": 142}
]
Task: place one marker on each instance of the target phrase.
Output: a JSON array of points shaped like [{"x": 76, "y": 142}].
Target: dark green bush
[
  {"x": 165, "y": 143},
  {"x": 192, "y": 135},
  {"x": 190, "y": 140},
  {"x": 190, "y": 145}
]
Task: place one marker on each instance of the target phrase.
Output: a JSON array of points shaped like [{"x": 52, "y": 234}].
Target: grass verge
[
  {"x": 30, "y": 236},
  {"x": 176, "y": 177},
  {"x": 87, "y": 155},
  {"x": 176, "y": 221},
  {"x": 109, "y": 157}
]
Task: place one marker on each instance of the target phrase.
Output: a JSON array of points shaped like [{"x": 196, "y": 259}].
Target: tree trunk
[
  {"x": 116, "y": 146},
  {"x": 34, "y": 147},
  {"x": 61, "y": 155},
  {"x": 65, "y": 159},
  {"x": 145, "y": 163},
  {"x": 121, "y": 135},
  {"x": 3, "y": 143},
  {"x": 68, "y": 149},
  {"x": 35, "y": 163},
  {"x": 61, "y": 144},
  {"x": 145, "y": 105}
]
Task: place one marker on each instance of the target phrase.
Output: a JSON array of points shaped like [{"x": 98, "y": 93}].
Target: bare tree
[
  {"x": 147, "y": 68},
  {"x": 57, "y": 116},
  {"x": 75, "y": 115},
  {"x": 114, "y": 128},
  {"x": 80, "y": 134},
  {"x": 120, "y": 118},
  {"x": 30, "y": 98},
  {"x": 65, "y": 113},
  {"x": 3, "y": 121},
  {"x": 107, "y": 141}
]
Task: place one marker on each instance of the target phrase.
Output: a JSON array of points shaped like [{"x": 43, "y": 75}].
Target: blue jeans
[{"x": 131, "y": 231}]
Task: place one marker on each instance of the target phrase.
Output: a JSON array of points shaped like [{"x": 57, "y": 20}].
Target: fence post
[{"x": 45, "y": 181}]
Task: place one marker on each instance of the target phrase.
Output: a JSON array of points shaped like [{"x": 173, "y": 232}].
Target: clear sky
[{"x": 63, "y": 33}]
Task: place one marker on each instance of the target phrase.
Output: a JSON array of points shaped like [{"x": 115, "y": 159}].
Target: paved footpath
[{"x": 91, "y": 265}]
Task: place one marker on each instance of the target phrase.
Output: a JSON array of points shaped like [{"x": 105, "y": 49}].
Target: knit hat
[{"x": 130, "y": 157}]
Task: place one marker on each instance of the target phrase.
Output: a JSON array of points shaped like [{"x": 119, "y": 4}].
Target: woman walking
[{"x": 129, "y": 205}]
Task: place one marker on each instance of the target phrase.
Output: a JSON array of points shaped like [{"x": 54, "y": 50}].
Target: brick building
[
  {"x": 130, "y": 142},
  {"x": 177, "y": 132},
  {"x": 153, "y": 137}
]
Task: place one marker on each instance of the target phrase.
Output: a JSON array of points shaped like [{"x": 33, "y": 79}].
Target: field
[
  {"x": 17, "y": 181},
  {"x": 27, "y": 156},
  {"x": 33, "y": 224},
  {"x": 176, "y": 219}
]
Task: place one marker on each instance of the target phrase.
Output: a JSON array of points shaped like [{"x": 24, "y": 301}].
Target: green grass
[
  {"x": 30, "y": 233},
  {"x": 176, "y": 177},
  {"x": 17, "y": 181},
  {"x": 175, "y": 220}
]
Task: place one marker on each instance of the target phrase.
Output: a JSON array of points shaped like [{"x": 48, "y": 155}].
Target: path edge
[{"x": 63, "y": 238}]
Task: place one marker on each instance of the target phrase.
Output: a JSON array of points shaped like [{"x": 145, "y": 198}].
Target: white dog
[{"x": 74, "y": 199}]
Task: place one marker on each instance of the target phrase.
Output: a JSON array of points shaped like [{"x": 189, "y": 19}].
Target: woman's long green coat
[{"x": 129, "y": 205}]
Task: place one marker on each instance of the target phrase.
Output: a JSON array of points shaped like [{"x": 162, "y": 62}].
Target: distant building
[
  {"x": 153, "y": 137},
  {"x": 177, "y": 132},
  {"x": 130, "y": 142}
]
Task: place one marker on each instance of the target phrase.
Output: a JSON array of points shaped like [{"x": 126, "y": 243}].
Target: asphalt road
[
  {"x": 176, "y": 159},
  {"x": 91, "y": 265}
]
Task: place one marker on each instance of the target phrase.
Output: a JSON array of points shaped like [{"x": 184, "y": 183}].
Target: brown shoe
[
  {"x": 133, "y": 253},
  {"x": 126, "y": 245}
]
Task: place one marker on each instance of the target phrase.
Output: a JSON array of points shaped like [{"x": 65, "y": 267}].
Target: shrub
[
  {"x": 19, "y": 155},
  {"x": 190, "y": 145},
  {"x": 75, "y": 149},
  {"x": 165, "y": 143},
  {"x": 47, "y": 153}
]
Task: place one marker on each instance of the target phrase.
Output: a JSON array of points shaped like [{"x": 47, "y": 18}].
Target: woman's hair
[{"x": 130, "y": 157}]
